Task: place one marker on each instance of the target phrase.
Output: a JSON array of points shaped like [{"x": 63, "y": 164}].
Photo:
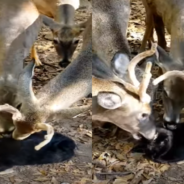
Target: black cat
[
  {"x": 168, "y": 147},
  {"x": 14, "y": 153}
]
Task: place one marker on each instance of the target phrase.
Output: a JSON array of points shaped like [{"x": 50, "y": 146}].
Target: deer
[
  {"x": 19, "y": 26},
  {"x": 59, "y": 16},
  {"x": 21, "y": 111},
  {"x": 161, "y": 14},
  {"x": 113, "y": 55},
  {"x": 127, "y": 105}
]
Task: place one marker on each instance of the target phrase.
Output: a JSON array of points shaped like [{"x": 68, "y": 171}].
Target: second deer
[
  {"x": 20, "y": 110},
  {"x": 65, "y": 31},
  {"x": 169, "y": 14}
]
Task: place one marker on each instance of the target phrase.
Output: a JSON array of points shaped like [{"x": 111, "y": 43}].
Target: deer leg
[
  {"x": 148, "y": 35},
  {"x": 35, "y": 57},
  {"x": 159, "y": 27}
]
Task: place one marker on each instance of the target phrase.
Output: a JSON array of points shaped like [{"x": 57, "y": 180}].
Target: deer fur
[{"x": 110, "y": 36}]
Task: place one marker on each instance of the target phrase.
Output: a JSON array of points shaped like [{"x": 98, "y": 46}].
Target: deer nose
[
  {"x": 64, "y": 63},
  {"x": 143, "y": 117},
  {"x": 170, "y": 122},
  {"x": 169, "y": 119}
]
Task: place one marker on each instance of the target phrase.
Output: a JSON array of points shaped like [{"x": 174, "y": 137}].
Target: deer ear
[
  {"x": 100, "y": 69},
  {"x": 54, "y": 26},
  {"x": 120, "y": 64},
  {"x": 163, "y": 60},
  {"x": 109, "y": 100}
]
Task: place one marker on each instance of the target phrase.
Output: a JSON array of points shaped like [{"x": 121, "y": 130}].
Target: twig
[
  {"x": 53, "y": 66},
  {"x": 114, "y": 173}
]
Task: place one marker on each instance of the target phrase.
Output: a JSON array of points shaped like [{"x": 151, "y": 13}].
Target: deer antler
[
  {"x": 145, "y": 83},
  {"x": 174, "y": 73},
  {"x": 18, "y": 116},
  {"x": 48, "y": 137},
  {"x": 138, "y": 88},
  {"x": 136, "y": 60}
]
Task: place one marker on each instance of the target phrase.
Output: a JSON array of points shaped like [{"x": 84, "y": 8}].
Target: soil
[
  {"x": 78, "y": 169},
  {"x": 113, "y": 164}
]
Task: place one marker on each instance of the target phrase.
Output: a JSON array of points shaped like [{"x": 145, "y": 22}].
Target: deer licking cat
[
  {"x": 21, "y": 111},
  {"x": 118, "y": 98}
]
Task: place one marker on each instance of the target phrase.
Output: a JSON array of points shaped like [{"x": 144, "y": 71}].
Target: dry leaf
[
  {"x": 41, "y": 179},
  {"x": 164, "y": 168},
  {"x": 138, "y": 177},
  {"x": 89, "y": 133},
  {"x": 124, "y": 179},
  {"x": 147, "y": 181},
  {"x": 54, "y": 181},
  {"x": 120, "y": 157},
  {"x": 85, "y": 181},
  {"x": 18, "y": 181}
]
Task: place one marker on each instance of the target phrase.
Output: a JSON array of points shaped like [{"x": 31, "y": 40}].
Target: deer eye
[
  {"x": 166, "y": 93},
  {"x": 144, "y": 115},
  {"x": 55, "y": 41},
  {"x": 75, "y": 42},
  {"x": 19, "y": 106}
]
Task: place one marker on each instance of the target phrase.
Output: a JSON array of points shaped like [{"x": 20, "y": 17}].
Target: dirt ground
[
  {"x": 113, "y": 164},
  {"x": 77, "y": 170}
]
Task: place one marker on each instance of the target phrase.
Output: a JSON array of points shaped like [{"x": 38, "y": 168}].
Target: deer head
[
  {"x": 65, "y": 38},
  {"x": 124, "y": 104},
  {"x": 172, "y": 78}
]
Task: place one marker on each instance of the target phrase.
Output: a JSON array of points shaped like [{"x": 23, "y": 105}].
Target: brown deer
[
  {"x": 117, "y": 97},
  {"x": 20, "y": 110},
  {"x": 65, "y": 31},
  {"x": 122, "y": 103},
  {"x": 19, "y": 26},
  {"x": 169, "y": 14}
]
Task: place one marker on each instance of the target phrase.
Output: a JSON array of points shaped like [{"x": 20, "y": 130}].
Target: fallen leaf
[
  {"x": 41, "y": 179},
  {"x": 54, "y": 181}
]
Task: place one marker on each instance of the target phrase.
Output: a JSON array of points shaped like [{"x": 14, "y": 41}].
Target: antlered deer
[{"x": 20, "y": 110}]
